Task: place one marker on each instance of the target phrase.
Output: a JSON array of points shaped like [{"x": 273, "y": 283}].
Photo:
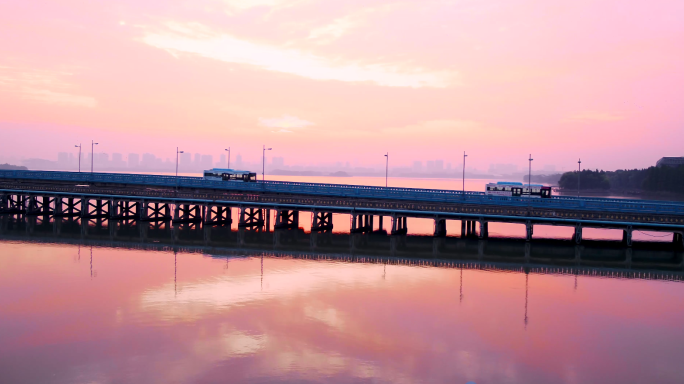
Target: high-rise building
[
  {"x": 148, "y": 160},
  {"x": 185, "y": 160},
  {"x": 238, "y": 160},
  {"x": 439, "y": 165},
  {"x": 133, "y": 160},
  {"x": 207, "y": 162},
  {"x": 417, "y": 165}
]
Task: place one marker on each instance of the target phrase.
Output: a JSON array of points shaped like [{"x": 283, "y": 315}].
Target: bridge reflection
[{"x": 659, "y": 261}]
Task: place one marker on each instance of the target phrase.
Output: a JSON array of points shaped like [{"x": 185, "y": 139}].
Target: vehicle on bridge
[
  {"x": 514, "y": 188},
  {"x": 226, "y": 174}
]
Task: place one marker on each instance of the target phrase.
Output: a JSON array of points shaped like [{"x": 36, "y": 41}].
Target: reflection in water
[{"x": 331, "y": 315}]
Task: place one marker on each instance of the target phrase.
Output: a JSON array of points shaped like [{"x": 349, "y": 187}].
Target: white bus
[
  {"x": 512, "y": 188},
  {"x": 225, "y": 174}
]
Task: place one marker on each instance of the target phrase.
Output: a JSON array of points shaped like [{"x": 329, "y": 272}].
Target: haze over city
[{"x": 337, "y": 82}]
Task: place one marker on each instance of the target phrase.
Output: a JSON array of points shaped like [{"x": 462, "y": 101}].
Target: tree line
[{"x": 656, "y": 179}]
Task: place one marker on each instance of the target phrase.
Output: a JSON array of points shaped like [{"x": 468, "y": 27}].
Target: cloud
[
  {"x": 597, "y": 116},
  {"x": 332, "y": 31},
  {"x": 285, "y": 123},
  {"x": 59, "y": 98},
  {"x": 246, "y": 4},
  {"x": 43, "y": 86},
  {"x": 197, "y": 39}
]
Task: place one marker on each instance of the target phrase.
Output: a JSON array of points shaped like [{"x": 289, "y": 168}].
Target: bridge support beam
[
  {"x": 678, "y": 240},
  {"x": 529, "y": 230},
  {"x": 187, "y": 213},
  {"x": 217, "y": 215},
  {"x": 251, "y": 218},
  {"x": 627, "y": 236},
  {"x": 399, "y": 227},
  {"x": 440, "y": 227},
  {"x": 484, "y": 229},
  {"x": 578, "y": 233},
  {"x": 321, "y": 222},
  {"x": 361, "y": 223},
  {"x": 286, "y": 219}
]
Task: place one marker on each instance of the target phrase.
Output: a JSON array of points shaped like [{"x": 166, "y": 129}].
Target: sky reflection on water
[{"x": 142, "y": 318}]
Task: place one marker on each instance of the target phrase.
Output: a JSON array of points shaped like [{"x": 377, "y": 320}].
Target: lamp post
[
  {"x": 228, "y": 149},
  {"x": 263, "y": 162},
  {"x": 386, "y": 167},
  {"x": 529, "y": 177},
  {"x": 579, "y": 171},
  {"x": 92, "y": 151},
  {"x": 177, "y": 155},
  {"x": 464, "y": 160},
  {"x": 79, "y": 157}
]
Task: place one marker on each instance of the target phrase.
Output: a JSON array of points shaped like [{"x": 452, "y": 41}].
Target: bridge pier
[
  {"x": 286, "y": 219},
  {"x": 251, "y": 218},
  {"x": 678, "y": 240},
  {"x": 628, "y": 257},
  {"x": 578, "y": 233},
  {"x": 440, "y": 228},
  {"x": 484, "y": 229},
  {"x": 321, "y": 222},
  {"x": 627, "y": 236},
  {"x": 187, "y": 213},
  {"x": 578, "y": 254},
  {"x": 529, "y": 229},
  {"x": 218, "y": 215},
  {"x": 528, "y": 251},
  {"x": 399, "y": 227},
  {"x": 480, "y": 249}
]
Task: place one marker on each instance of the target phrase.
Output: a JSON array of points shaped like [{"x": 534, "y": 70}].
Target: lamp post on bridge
[
  {"x": 92, "y": 151},
  {"x": 177, "y": 155},
  {"x": 386, "y": 167},
  {"x": 579, "y": 171},
  {"x": 79, "y": 156},
  {"x": 228, "y": 149},
  {"x": 263, "y": 162},
  {"x": 464, "y": 160},
  {"x": 529, "y": 177}
]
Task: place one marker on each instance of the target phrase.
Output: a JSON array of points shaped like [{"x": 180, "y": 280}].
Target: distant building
[
  {"x": 278, "y": 162},
  {"x": 417, "y": 165},
  {"x": 670, "y": 162},
  {"x": 133, "y": 160}
]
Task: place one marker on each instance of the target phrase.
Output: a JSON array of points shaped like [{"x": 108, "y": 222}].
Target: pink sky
[{"x": 344, "y": 80}]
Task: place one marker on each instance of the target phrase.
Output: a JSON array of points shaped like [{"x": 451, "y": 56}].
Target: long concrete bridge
[{"x": 183, "y": 200}]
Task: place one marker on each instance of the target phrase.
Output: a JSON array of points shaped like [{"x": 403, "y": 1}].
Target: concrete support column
[
  {"x": 463, "y": 229},
  {"x": 627, "y": 236},
  {"x": 380, "y": 225},
  {"x": 84, "y": 207},
  {"x": 176, "y": 211},
  {"x": 578, "y": 233},
  {"x": 529, "y": 229},
  {"x": 678, "y": 240},
  {"x": 528, "y": 252},
  {"x": 484, "y": 229},
  {"x": 628, "y": 257},
  {"x": 438, "y": 243},
  {"x": 440, "y": 227},
  {"x": 480, "y": 249},
  {"x": 143, "y": 214}
]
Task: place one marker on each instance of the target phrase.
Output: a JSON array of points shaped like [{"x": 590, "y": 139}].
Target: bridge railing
[{"x": 358, "y": 191}]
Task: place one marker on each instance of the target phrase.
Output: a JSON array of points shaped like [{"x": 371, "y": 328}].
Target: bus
[
  {"x": 225, "y": 174},
  {"x": 512, "y": 188}
]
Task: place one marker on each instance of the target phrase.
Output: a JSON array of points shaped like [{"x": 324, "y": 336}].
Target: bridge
[{"x": 188, "y": 200}]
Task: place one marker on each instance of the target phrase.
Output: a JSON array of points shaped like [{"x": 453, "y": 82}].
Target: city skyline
[{"x": 326, "y": 83}]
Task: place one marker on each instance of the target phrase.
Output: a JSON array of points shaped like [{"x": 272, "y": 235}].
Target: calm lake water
[{"x": 77, "y": 310}]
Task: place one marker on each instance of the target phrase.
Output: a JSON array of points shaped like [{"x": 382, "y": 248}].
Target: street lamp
[
  {"x": 228, "y": 149},
  {"x": 79, "y": 157},
  {"x": 263, "y": 162},
  {"x": 579, "y": 171},
  {"x": 177, "y": 155},
  {"x": 92, "y": 151},
  {"x": 386, "y": 167},
  {"x": 464, "y": 160},
  {"x": 529, "y": 177}
]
